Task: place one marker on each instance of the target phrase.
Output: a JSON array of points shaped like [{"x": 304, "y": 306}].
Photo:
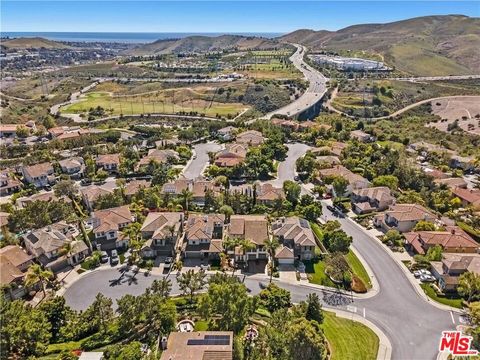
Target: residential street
[
  {"x": 286, "y": 169},
  {"x": 195, "y": 167}
]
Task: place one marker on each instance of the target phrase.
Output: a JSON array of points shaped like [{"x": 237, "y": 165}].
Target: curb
[
  {"x": 407, "y": 273},
  {"x": 384, "y": 344}
]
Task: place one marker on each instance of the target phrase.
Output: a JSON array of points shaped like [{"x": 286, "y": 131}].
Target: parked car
[
  {"x": 168, "y": 262},
  {"x": 85, "y": 182},
  {"x": 331, "y": 208},
  {"x": 103, "y": 257},
  {"x": 205, "y": 267},
  {"x": 427, "y": 278},
  {"x": 114, "y": 259}
]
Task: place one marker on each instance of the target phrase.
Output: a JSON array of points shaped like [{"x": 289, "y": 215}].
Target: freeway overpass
[{"x": 312, "y": 96}]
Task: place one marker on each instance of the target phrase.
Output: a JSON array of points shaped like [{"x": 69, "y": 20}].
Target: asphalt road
[
  {"x": 286, "y": 169},
  {"x": 316, "y": 89},
  {"x": 199, "y": 163}
]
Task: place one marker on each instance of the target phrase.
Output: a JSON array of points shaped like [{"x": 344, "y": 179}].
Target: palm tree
[
  {"x": 245, "y": 245},
  {"x": 132, "y": 231},
  {"x": 271, "y": 245},
  {"x": 162, "y": 287},
  {"x": 36, "y": 274},
  {"x": 186, "y": 196}
]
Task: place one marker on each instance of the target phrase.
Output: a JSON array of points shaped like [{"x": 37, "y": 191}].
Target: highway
[{"x": 316, "y": 89}]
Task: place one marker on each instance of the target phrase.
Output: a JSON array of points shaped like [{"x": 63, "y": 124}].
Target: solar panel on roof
[{"x": 210, "y": 340}]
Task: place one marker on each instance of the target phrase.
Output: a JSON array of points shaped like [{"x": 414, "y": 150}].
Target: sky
[{"x": 214, "y": 16}]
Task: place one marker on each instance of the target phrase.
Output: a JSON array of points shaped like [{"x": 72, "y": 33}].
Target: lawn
[
  {"x": 451, "y": 300},
  {"x": 358, "y": 268},
  {"x": 316, "y": 273},
  {"x": 349, "y": 339},
  {"x": 201, "y": 325},
  {"x": 167, "y": 101}
]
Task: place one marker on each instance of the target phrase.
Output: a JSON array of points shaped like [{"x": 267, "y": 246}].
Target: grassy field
[
  {"x": 396, "y": 95},
  {"x": 349, "y": 340},
  {"x": 274, "y": 69},
  {"x": 165, "y": 101},
  {"x": 450, "y": 301},
  {"x": 358, "y": 268}
]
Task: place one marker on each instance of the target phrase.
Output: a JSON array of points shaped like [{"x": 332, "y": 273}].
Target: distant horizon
[{"x": 214, "y": 16}]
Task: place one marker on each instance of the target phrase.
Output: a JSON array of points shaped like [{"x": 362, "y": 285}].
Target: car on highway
[
  {"x": 114, "y": 259},
  {"x": 103, "y": 257}
]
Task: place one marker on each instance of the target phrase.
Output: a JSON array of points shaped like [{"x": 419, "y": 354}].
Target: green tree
[
  {"x": 307, "y": 340},
  {"x": 314, "y": 308},
  {"x": 161, "y": 287},
  {"x": 292, "y": 191},
  {"x": 424, "y": 225},
  {"x": 101, "y": 311},
  {"x": 66, "y": 188},
  {"x": 25, "y": 330},
  {"x": 56, "y": 313},
  {"x": 227, "y": 211},
  {"x": 130, "y": 351},
  {"x": 339, "y": 186},
  {"x": 469, "y": 285},
  {"x": 337, "y": 241},
  {"x": 227, "y": 304},
  {"x": 271, "y": 245},
  {"x": 393, "y": 237},
  {"x": 435, "y": 253},
  {"x": 35, "y": 275},
  {"x": 191, "y": 281},
  {"x": 186, "y": 197},
  {"x": 389, "y": 181},
  {"x": 275, "y": 298}
]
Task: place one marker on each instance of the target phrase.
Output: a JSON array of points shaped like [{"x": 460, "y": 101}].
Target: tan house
[
  {"x": 267, "y": 194},
  {"x": 73, "y": 167},
  {"x": 200, "y": 188},
  {"x": 360, "y": 135},
  {"x": 163, "y": 233},
  {"x": 198, "y": 345},
  {"x": 403, "y": 217},
  {"x": 250, "y": 227},
  {"x": 454, "y": 240},
  {"x": 107, "y": 227},
  {"x": 92, "y": 193},
  {"x": 204, "y": 236},
  {"x": 14, "y": 263},
  {"x": 226, "y": 133},
  {"x": 355, "y": 181},
  {"x": 469, "y": 197},
  {"x": 47, "y": 245},
  {"x": 371, "y": 199},
  {"x": 448, "y": 271},
  {"x": 134, "y": 186},
  {"x": 9, "y": 184},
  {"x": 250, "y": 138},
  {"x": 43, "y": 196},
  {"x": 39, "y": 175},
  {"x": 234, "y": 154},
  {"x": 296, "y": 234},
  {"x": 176, "y": 187},
  {"x": 452, "y": 183},
  {"x": 108, "y": 162},
  {"x": 157, "y": 156}
]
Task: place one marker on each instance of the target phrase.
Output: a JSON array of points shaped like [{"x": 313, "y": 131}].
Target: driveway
[{"x": 196, "y": 166}]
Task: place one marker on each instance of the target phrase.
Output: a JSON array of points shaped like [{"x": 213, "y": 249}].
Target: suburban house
[
  {"x": 296, "y": 235},
  {"x": 435, "y": 173},
  {"x": 67, "y": 132},
  {"x": 163, "y": 232},
  {"x": 403, "y": 217},
  {"x": 48, "y": 244},
  {"x": 157, "y": 156},
  {"x": 336, "y": 148},
  {"x": 39, "y": 175},
  {"x": 453, "y": 240},
  {"x": 43, "y": 196},
  {"x": 233, "y": 155},
  {"x": 226, "y": 133},
  {"x": 14, "y": 263},
  {"x": 204, "y": 236},
  {"x": 253, "y": 228},
  {"x": 9, "y": 184},
  {"x": 74, "y": 167},
  {"x": 176, "y": 187},
  {"x": 452, "y": 183},
  {"x": 355, "y": 181},
  {"x": 361, "y": 136},
  {"x": 10, "y": 130},
  {"x": 267, "y": 194},
  {"x": 466, "y": 163},
  {"x": 108, "y": 162},
  {"x": 329, "y": 160},
  {"x": 469, "y": 197},
  {"x": 250, "y": 138},
  {"x": 92, "y": 193},
  {"x": 107, "y": 227},
  {"x": 371, "y": 199},
  {"x": 206, "y": 345},
  {"x": 134, "y": 186},
  {"x": 200, "y": 188},
  {"x": 165, "y": 143},
  {"x": 285, "y": 124},
  {"x": 452, "y": 266}
]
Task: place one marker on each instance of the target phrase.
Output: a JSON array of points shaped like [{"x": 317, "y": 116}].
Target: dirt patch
[{"x": 461, "y": 112}]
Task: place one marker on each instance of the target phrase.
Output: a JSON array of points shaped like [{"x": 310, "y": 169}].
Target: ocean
[{"x": 132, "y": 38}]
